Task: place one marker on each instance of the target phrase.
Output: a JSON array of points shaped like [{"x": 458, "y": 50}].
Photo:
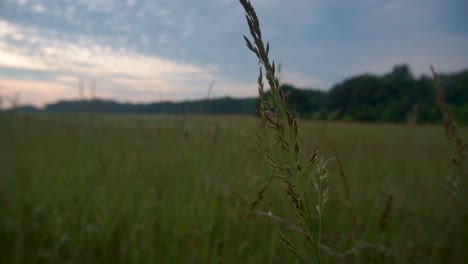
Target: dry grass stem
[
  {"x": 453, "y": 136},
  {"x": 346, "y": 188},
  {"x": 450, "y": 125},
  {"x": 291, "y": 248},
  {"x": 278, "y": 121},
  {"x": 386, "y": 213}
]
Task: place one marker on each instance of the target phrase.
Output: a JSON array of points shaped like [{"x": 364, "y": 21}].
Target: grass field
[{"x": 176, "y": 189}]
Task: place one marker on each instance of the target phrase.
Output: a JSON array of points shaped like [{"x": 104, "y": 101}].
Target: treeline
[
  {"x": 394, "y": 97},
  {"x": 215, "y": 106}
]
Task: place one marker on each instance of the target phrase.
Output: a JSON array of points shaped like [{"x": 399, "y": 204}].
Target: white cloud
[
  {"x": 22, "y": 2},
  {"x": 9, "y": 58},
  {"x": 144, "y": 40},
  {"x": 17, "y": 36},
  {"x": 38, "y": 92},
  {"x": 66, "y": 79},
  {"x": 92, "y": 58},
  {"x": 38, "y": 8},
  {"x": 130, "y": 3},
  {"x": 303, "y": 80},
  {"x": 225, "y": 88},
  {"x": 85, "y": 57},
  {"x": 6, "y": 28},
  {"x": 99, "y": 5},
  {"x": 163, "y": 38},
  {"x": 188, "y": 27}
]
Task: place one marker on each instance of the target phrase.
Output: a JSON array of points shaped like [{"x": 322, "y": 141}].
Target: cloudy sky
[{"x": 148, "y": 50}]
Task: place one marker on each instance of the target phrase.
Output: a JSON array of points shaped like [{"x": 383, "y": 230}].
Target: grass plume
[
  {"x": 386, "y": 213},
  {"x": 452, "y": 134},
  {"x": 277, "y": 120}
]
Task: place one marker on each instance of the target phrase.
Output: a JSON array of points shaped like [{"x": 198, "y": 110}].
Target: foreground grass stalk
[
  {"x": 278, "y": 120},
  {"x": 453, "y": 136}
]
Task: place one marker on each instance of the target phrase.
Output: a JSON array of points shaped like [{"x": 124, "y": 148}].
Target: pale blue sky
[{"x": 138, "y": 50}]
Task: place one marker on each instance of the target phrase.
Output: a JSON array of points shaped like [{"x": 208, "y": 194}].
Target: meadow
[{"x": 178, "y": 189}]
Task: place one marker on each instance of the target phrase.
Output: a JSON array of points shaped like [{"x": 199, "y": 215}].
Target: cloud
[
  {"x": 85, "y": 57},
  {"x": 22, "y": 2},
  {"x": 66, "y": 79},
  {"x": 38, "y": 8},
  {"x": 163, "y": 38},
  {"x": 130, "y": 3},
  {"x": 9, "y": 58},
  {"x": 223, "y": 88},
  {"x": 304, "y": 80},
  {"x": 99, "y": 5},
  {"x": 37, "y": 92},
  {"x": 134, "y": 48},
  {"x": 446, "y": 52}
]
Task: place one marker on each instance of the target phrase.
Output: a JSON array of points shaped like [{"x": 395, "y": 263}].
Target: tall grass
[
  {"x": 452, "y": 133},
  {"x": 169, "y": 198},
  {"x": 279, "y": 124},
  {"x": 290, "y": 165},
  {"x": 155, "y": 189}
]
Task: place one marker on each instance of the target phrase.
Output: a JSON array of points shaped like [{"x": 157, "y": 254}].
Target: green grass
[{"x": 173, "y": 189}]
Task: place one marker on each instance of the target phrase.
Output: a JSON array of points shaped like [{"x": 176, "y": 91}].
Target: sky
[{"x": 153, "y": 50}]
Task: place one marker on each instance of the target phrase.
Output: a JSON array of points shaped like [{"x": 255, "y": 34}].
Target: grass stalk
[
  {"x": 276, "y": 118},
  {"x": 452, "y": 134}
]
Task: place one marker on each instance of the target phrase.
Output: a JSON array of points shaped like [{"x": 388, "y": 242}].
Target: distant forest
[{"x": 394, "y": 97}]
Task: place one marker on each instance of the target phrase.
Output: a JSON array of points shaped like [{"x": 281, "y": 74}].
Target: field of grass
[{"x": 177, "y": 189}]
